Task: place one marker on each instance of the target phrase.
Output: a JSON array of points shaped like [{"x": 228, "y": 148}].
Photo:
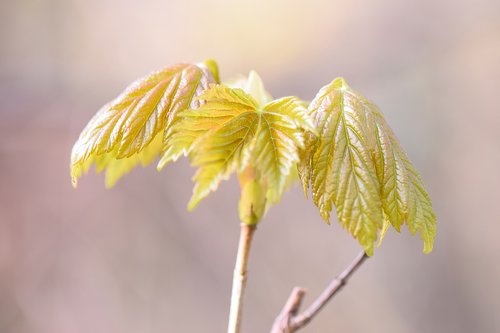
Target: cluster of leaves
[{"x": 340, "y": 144}]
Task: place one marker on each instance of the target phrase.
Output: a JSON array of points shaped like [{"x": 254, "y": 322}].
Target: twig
[
  {"x": 240, "y": 277},
  {"x": 288, "y": 321}
]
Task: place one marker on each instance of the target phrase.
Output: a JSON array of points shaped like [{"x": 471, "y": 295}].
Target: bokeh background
[{"x": 131, "y": 259}]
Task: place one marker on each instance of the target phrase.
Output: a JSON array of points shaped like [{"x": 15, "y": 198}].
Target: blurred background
[{"x": 131, "y": 259}]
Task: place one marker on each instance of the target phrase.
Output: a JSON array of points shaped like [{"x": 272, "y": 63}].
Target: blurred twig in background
[{"x": 288, "y": 321}]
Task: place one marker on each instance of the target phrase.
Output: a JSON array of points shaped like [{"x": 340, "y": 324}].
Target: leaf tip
[
  {"x": 193, "y": 203},
  {"x": 195, "y": 198},
  {"x": 212, "y": 66},
  {"x": 429, "y": 243},
  {"x": 109, "y": 181},
  {"x": 340, "y": 83},
  {"x": 75, "y": 173},
  {"x": 305, "y": 190},
  {"x": 384, "y": 230},
  {"x": 325, "y": 214},
  {"x": 326, "y": 220},
  {"x": 162, "y": 163}
]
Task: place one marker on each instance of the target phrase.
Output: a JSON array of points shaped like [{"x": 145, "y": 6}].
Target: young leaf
[
  {"x": 357, "y": 164},
  {"x": 404, "y": 198},
  {"x": 252, "y": 85},
  {"x": 116, "y": 168},
  {"x": 232, "y": 132},
  {"x": 281, "y": 135},
  {"x": 342, "y": 171},
  {"x": 116, "y": 136},
  {"x": 225, "y": 104},
  {"x": 181, "y": 144}
]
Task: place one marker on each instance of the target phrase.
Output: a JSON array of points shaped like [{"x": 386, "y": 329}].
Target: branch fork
[{"x": 289, "y": 320}]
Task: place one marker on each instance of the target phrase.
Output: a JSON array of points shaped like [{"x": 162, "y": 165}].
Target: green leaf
[
  {"x": 342, "y": 170},
  {"x": 232, "y": 132},
  {"x": 221, "y": 153},
  {"x": 277, "y": 143},
  {"x": 116, "y": 168},
  {"x": 404, "y": 198},
  {"x": 224, "y": 105},
  {"x": 357, "y": 164},
  {"x": 115, "y": 137}
]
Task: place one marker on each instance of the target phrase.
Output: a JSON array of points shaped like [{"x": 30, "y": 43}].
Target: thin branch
[
  {"x": 288, "y": 321},
  {"x": 240, "y": 277},
  {"x": 283, "y": 321}
]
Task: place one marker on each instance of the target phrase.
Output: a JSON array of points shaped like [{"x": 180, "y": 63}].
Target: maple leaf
[
  {"x": 357, "y": 165},
  {"x": 232, "y": 132},
  {"x": 130, "y": 129}
]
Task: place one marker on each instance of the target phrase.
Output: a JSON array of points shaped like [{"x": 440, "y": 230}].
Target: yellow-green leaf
[
  {"x": 116, "y": 168},
  {"x": 115, "y": 137},
  {"x": 232, "y": 132},
  {"x": 342, "y": 169},
  {"x": 357, "y": 164},
  {"x": 221, "y": 153},
  {"x": 403, "y": 194},
  {"x": 277, "y": 143},
  {"x": 225, "y": 104},
  {"x": 252, "y": 85}
]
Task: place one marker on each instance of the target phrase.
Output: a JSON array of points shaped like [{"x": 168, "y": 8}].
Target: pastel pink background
[{"x": 131, "y": 259}]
